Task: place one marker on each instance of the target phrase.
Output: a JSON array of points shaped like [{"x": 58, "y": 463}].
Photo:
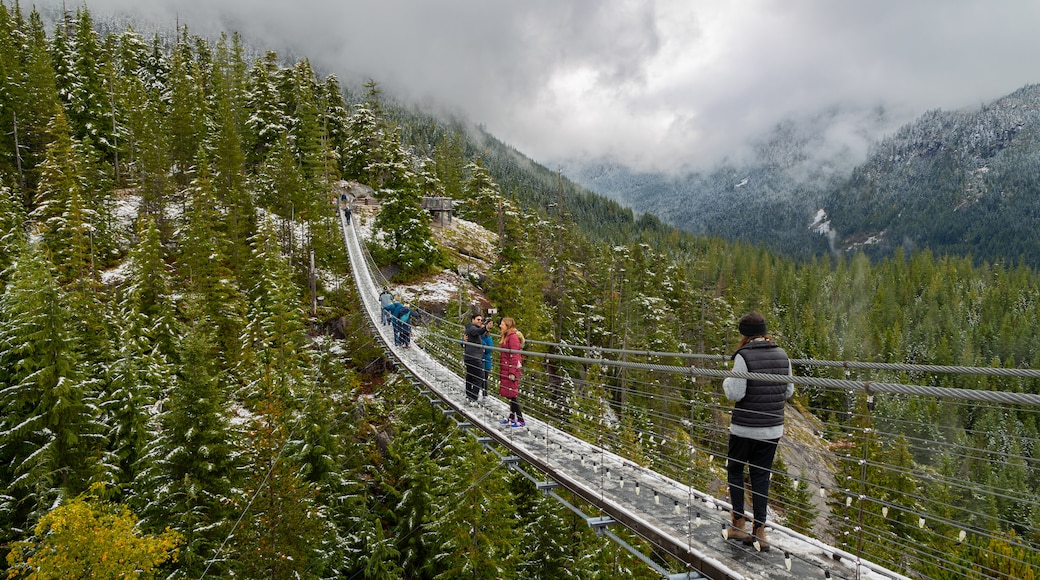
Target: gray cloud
[{"x": 646, "y": 83}]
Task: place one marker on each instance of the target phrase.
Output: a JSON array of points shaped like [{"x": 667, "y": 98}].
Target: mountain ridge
[{"x": 956, "y": 182}]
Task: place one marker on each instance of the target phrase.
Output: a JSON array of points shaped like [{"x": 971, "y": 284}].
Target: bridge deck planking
[{"x": 664, "y": 511}]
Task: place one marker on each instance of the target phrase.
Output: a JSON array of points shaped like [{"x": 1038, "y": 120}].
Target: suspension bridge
[{"x": 679, "y": 506}]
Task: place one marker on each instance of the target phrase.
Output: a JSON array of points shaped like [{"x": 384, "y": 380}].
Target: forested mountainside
[
  {"x": 164, "y": 372},
  {"x": 767, "y": 195},
  {"x": 962, "y": 183}
]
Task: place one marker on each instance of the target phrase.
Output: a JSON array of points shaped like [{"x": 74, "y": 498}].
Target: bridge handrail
[{"x": 847, "y": 384}]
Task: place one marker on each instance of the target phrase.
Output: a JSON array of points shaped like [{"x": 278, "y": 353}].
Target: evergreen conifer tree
[
  {"x": 415, "y": 505},
  {"x": 205, "y": 267},
  {"x": 406, "y": 230},
  {"x": 12, "y": 229},
  {"x": 50, "y": 435},
  {"x": 268, "y": 121},
  {"x": 482, "y": 197},
  {"x": 10, "y": 70},
  {"x": 545, "y": 551},
  {"x": 224, "y": 142},
  {"x": 35, "y": 103},
  {"x": 472, "y": 521},
  {"x": 80, "y": 59},
  {"x": 336, "y": 120},
  {"x": 140, "y": 368},
  {"x": 152, "y": 162},
  {"x": 287, "y": 526},
  {"x": 449, "y": 158},
  {"x": 186, "y": 109},
  {"x": 60, "y": 212},
  {"x": 192, "y": 478}
]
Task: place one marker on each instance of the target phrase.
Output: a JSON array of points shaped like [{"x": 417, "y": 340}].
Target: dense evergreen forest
[{"x": 162, "y": 369}]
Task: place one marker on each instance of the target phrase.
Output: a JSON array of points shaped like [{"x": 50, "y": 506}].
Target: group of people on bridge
[
  {"x": 756, "y": 426},
  {"x": 399, "y": 315},
  {"x": 476, "y": 355}
]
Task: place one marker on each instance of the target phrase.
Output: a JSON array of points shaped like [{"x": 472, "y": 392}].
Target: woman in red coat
[{"x": 509, "y": 371}]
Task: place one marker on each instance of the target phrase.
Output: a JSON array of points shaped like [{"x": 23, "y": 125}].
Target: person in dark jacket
[
  {"x": 473, "y": 356},
  {"x": 757, "y": 424}
]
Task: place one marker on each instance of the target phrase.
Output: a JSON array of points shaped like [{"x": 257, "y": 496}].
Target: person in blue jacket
[
  {"x": 404, "y": 322},
  {"x": 487, "y": 340},
  {"x": 394, "y": 308}
]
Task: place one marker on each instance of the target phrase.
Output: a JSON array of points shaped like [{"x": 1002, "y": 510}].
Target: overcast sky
[{"x": 642, "y": 82}]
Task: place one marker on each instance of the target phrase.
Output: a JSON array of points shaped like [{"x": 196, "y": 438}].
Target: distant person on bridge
[
  {"x": 404, "y": 324},
  {"x": 385, "y": 299},
  {"x": 509, "y": 365},
  {"x": 487, "y": 340},
  {"x": 757, "y": 425},
  {"x": 473, "y": 356},
  {"x": 394, "y": 309}
]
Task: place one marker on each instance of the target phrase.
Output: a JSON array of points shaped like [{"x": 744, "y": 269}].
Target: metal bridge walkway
[{"x": 679, "y": 520}]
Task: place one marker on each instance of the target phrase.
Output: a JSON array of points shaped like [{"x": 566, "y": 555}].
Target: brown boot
[
  {"x": 736, "y": 531},
  {"x": 758, "y": 538}
]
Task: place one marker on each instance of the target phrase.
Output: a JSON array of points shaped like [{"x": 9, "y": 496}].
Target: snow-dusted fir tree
[
  {"x": 472, "y": 522},
  {"x": 287, "y": 525},
  {"x": 550, "y": 548},
  {"x": 141, "y": 125},
  {"x": 407, "y": 235},
  {"x": 224, "y": 142},
  {"x": 150, "y": 286},
  {"x": 80, "y": 60},
  {"x": 482, "y": 196},
  {"x": 66, "y": 224},
  {"x": 336, "y": 121},
  {"x": 372, "y": 153},
  {"x": 140, "y": 367},
  {"x": 60, "y": 213},
  {"x": 12, "y": 232},
  {"x": 267, "y": 120},
  {"x": 50, "y": 437},
  {"x": 192, "y": 477},
  {"x": 306, "y": 124},
  {"x": 186, "y": 107},
  {"x": 415, "y": 500},
  {"x": 203, "y": 263}
]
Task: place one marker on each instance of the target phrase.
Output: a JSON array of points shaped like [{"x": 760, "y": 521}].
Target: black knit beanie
[{"x": 752, "y": 324}]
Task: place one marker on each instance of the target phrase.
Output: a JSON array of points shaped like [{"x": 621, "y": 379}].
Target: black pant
[
  {"x": 484, "y": 380},
  {"x": 396, "y": 325},
  {"x": 758, "y": 456},
  {"x": 515, "y": 414},
  {"x": 474, "y": 377}
]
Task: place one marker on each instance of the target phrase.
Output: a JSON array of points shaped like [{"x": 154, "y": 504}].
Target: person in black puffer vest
[{"x": 757, "y": 425}]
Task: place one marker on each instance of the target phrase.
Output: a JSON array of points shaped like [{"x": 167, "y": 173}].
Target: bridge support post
[
  {"x": 546, "y": 486},
  {"x": 600, "y": 523}
]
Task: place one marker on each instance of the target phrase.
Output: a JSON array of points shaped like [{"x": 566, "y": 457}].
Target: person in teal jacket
[{"x": 487, "y": 340}]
